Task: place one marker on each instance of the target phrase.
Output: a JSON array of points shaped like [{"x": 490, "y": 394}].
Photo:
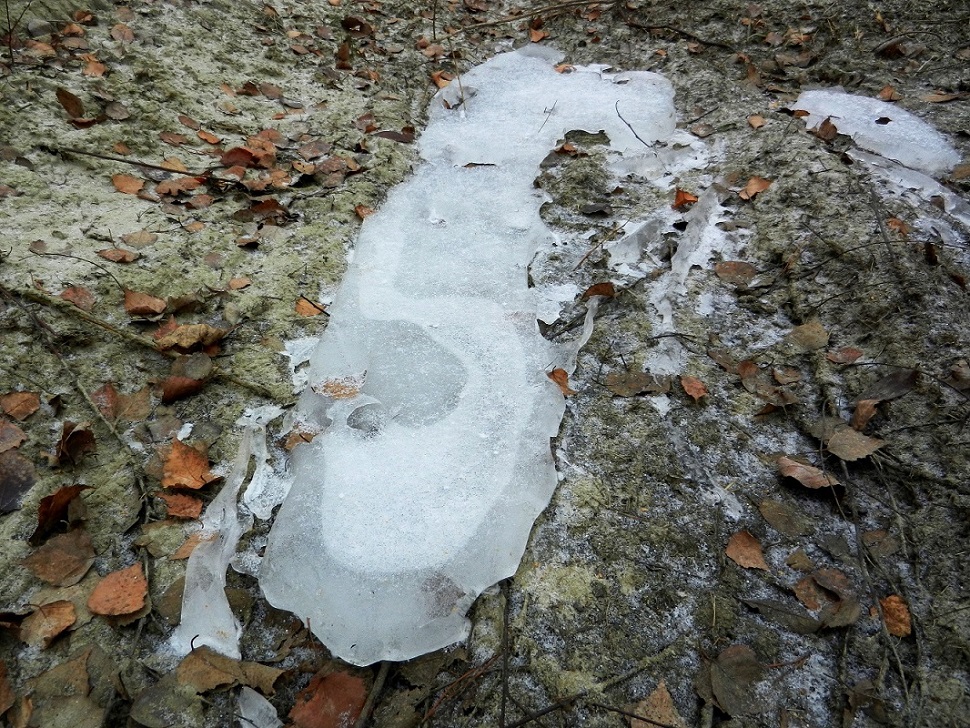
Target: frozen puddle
[{"x": 429, "y": 386}]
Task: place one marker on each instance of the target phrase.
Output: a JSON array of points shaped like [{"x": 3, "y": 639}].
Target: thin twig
[{"x": 372, "y": 696}]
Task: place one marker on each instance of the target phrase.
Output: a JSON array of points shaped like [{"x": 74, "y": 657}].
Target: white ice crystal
[
  {"x": 430, "y": 381},
  {"x": 882, "y": 128}
]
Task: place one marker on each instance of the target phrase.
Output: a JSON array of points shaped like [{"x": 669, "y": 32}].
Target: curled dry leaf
[
  {"x": 755, "y": 186},
  {"x": 53, "y": 511},
  {"x": 76, "y": 441},
  {"x": 189, "y": 336},
  {"x": 186, "y": 467},
  {"x": 120, "y": 592},
  {"x": 118, "y": 255},
  {"x": 560, "y": 377},
  {"x": 683, "y": 200},
  {"x": 745, "y": 550},
  {"x": 896, "y": 615},
  {"x": 605, "y": 289},
  {"x": 807, "y": 475},
  {"x": 11, "y": 436},
  {"x": 865, "y": 410},
  {"x": 826, "y": 131}
]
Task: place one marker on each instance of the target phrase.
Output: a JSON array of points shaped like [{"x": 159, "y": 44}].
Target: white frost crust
[
  {"x": 904, "y": 137},
  {"x": 423, "y": 488}
]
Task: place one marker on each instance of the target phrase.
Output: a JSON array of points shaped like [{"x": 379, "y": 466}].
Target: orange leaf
[
  {"x": 329, "y": 701},
  {"x": 755, "y": 186},
  {"x": 888, "y": 93},
  {"x": 80, "y": 297},
  {"x": 208, "y": 137},
  {"x": 142, "y": 304},
  {"x": 756, "y": 121},
  {"x": 745, "y": 550},
  {"x": 560, "y": 377},
  {"x": 363, "y": 211},
  {"x": 182, "y": 505},
  {"x": 683, "y": 200},
  {"x": 306, "y": 307},
  {"x": 605, "y": 289},
  {"x": 845, "y": 355},
  {"x": 127, "y": 184},
  {"x": 118, "y": 255},
  {"x": 441, "y": 78},
  {"x": 120, "y": 592},
  {"x": 896, "y": 615},
  {"x": 537, "y": 35},
  {"x": 186, "y": 467},
  {"x": 694, "y": 387},
  {"x": 42, "y": 627}
]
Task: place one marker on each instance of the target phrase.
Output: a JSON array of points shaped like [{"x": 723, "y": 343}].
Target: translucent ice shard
[
  {"x": 882, "y": 128},
  {"x": 429, "y": 384}
]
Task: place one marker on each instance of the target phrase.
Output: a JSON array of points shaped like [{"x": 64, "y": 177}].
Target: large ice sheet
[
  {"x": 881, "y": 128},
  {"x": 429, "y": 385}
]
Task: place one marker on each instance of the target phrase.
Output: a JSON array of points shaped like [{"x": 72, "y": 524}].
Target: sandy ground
[{"x": 678, "y": 550}]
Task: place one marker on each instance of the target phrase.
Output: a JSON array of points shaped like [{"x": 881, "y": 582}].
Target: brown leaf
[
  {"x": 80, "y": 297},
  {"x": 845, "y": 355},
  {"x": 176, "y": 388},
  {"x": 139, "y": 238},
  {"x": 809, "y": 337},
  {"x": 630, "y": 384},
  {"x": 7, "y": 694},
  {"x": 694, "y": 387},
  {"x": 784, "y": 518},
  {"x": 733, "y": 675},
  {"x": 755, "y": 186},
  {"x": 118, "y": 255},
  {"x": 53, "y": 510},
  {"x": 71, "y": 103},
  {"x": 809, "y": 593},
  {"x": 189, "y": 336},
  {"x": 736, "y": 272},
  {"x": 17, "y": 476},
  {"x": 849, "y": 445},
  {"x": 896, "y": 615},
  {"x": 76, "y": 441},
  {"x": 178, "y": 185},
  {"x": 657, "y": 708},
  {"x": 888, "y": 93},
  {"x": 865, "y": 410},
  {"x": 127, "y": 184},
  {"x": 41, "y": 627},
  {"x": 186, "y": 467},
  {"x": 892, "y": 386},
  {"x": 122, "y": 33},
  {"x": 560, "y": 377},
  {"x": 683, "y": 200},
  {"x": 64, "y": 559},
  {"x": 11, "y": 436},
  {"x": 208, "y": 137},
  {"x": 756, "y": 121},
  {"x": 745, "y": 550},
  {"x": 605, "y": 289},
  {"x": 363, "y": 211},
  {"x": 20, "y": 405},
  {"x": 182, "y": 505},
  {"x": 238, "y": 157},
  {"x": 143, "y": 304},
  {"x": 346, "y": 387},
  {"x": 939, "y": 97},
  {"x": 789, "y": 616},
  {"x": 120, "y": 592},
  {"x": 826, "y": 131},
  {"x": 807, "y": 475},
  {"x": 536, "y": 35},
  {"x": 329, "y": 701},
  {"x": 204, "y": 669}
]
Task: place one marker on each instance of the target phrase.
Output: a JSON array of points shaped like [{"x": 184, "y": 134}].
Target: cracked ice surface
[{"x": 429, "y": 383}]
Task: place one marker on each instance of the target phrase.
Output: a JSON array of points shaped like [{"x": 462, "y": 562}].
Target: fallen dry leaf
[
  {"x": 53, "y": 511},
  {"x": 175, "y": 388},
  {"x": 20, "y": 405},
  {"x": 75, "y": 442},
  {"x": 120, "y": 592},
  {"x": 736, "y": 272},
  {"x": 204, "y": 669},
  {"x": 755, "y": 186},
  {"x": 11, "y": 436},
  {"x": 182, "y": 505},
  {"x": 537, "y": 35},
  {"x": 826, "y": 131},
  {"x": 186, "y": 467},
  {"x": 64, "y": 559},
  {"x": 560, "y": 377},
  {"x": 892, "y": 386},
  {"x": 756, "y": 121},
  {"x": 329, "y": 701},
  {"x": 7, "y": 694},
  {"x": 143, "y": 304},
  {"x": 80, "y": 297},
  {"x": 732, "y": 678},
  {"x": 118, "y": 255},
  {"x": 896, "y": 615},
  {"x": 865, "y": 410},
  {"x": 43, "y": 625},
  {"x": 694, "y": 387},
  {"x": 745, "y": 550},
  {"x": 888, "y": 93},
  {"x": 683, "y": 200},
  {"x": 657, "y": 708},
  {"x": 845, "y": 355},
  {"x": 809, "y": 337},
  {"x": 71, "y": 103},
  {"x": 807, "y": 475},
  {"x": 127, "y": 184},
  {"x": 849, "y": 445},
  {"x": 188, "y": 336},
  {"x": 630, "y": 384},
  {"x": 17, "y": 476}
]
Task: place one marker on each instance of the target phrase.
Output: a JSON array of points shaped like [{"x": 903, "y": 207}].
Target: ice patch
[
  {"x": 882, "y": 128},
  {"x": 430, "y": 381}
]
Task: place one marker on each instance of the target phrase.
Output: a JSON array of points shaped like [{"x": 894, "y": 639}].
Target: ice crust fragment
[
  {"x": 882, "y": 128},
  {"x": 429, "y": 385}
]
